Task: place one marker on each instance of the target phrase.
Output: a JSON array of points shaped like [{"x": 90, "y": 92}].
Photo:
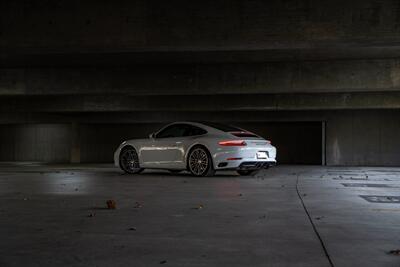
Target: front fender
[{"x": 119, "y": 149}]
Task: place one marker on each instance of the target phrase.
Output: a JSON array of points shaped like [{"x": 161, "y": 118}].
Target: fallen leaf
[{"x": 111, "y": 204}]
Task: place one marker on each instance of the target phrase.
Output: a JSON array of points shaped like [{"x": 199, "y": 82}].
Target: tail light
[
  {"x": 232, "y": 143},
  {"x": 268, "y": 142}
]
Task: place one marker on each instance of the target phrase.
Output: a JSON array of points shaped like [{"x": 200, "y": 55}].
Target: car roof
[{"x": 209, "y": 126}]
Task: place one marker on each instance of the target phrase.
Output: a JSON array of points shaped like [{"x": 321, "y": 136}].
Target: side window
[
  {"x": 176, "y": 130},
  {"x": 198, "y": 131},
  {"x": 193, "y": 130}
]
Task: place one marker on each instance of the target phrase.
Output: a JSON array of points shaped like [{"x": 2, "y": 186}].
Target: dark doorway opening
[{"x": 297, "y": 142}]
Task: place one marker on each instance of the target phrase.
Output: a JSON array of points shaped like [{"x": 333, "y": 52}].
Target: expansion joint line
[{"x": 312, "y": 223}]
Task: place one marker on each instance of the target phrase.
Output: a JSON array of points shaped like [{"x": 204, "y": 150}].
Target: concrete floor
[{"x": 56, "y": 216}]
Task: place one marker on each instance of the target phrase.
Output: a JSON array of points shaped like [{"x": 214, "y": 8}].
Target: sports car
[{"x": 198, "y": 147}]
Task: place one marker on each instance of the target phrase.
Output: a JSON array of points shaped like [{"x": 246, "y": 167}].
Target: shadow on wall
[
  {"x": 97, "y": 142},
  {"x": 297, "y": 142}
]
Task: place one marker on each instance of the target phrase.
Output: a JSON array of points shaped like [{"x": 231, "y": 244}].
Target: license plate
[{"x": 261, "y": 155}]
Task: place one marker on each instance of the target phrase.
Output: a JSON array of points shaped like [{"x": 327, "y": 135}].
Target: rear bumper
[
  {"x": 244, "y": 158},
  {"x": 246, "y": 165},
  {"x": 256, "y": 165}
]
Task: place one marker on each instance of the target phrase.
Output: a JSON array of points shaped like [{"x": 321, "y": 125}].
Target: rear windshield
[
  {"x": 244, "y": 134},
  {"x": 222, "y": 127}
]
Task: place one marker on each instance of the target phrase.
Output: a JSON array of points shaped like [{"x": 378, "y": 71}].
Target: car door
[{"x": 165, "y": 149}]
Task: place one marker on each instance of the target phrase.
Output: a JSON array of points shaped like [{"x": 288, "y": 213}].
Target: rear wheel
[
  {"x": 200, "y": 162},
  {"x": 247, "y": 172},
  {"x": 129, "y": 161}
]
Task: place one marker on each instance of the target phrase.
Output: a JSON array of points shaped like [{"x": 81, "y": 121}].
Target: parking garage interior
[{"x": 319, "y": 79}]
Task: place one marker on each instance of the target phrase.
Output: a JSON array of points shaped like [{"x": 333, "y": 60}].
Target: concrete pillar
[
  {"x": 323, "y": 162},
  {"x": 75, "y": 143}
]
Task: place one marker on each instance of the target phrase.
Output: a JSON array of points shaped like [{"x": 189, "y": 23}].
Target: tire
[
  {"x": 247, "y": 172},
  {"x": 199, "y": 162},
  {"x": 129, "y": 161}
]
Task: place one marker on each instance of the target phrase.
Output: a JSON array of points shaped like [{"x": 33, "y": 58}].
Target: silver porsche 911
[{"x": 199, "y": 147}]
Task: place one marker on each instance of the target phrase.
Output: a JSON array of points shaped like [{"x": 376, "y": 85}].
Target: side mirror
[{"x": 151, "y": 136}]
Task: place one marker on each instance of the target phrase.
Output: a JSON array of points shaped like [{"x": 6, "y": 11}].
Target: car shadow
[{"x": 183, "y": 174}]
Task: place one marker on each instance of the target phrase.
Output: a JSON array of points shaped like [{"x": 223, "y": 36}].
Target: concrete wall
[
  {"x": 77, "y": 77},
  {"x": 363, "y": 138},
  {"x": 35, "y": 142}
]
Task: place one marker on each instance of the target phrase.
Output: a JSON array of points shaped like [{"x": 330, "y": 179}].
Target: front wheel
[
  {"x": 247, "y": 172},
  {"x": 129, "y": 161},
  {"x": 200, "y": 162}
]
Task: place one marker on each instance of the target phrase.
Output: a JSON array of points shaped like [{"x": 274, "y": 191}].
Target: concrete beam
[
  {"x": 258, "y": 102},
  {"x": 197, "y": 79},
  {"x": 154, "y": 25},
  {"x": 162, "y": 117},
  {"x": 21, "y": 59}
]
